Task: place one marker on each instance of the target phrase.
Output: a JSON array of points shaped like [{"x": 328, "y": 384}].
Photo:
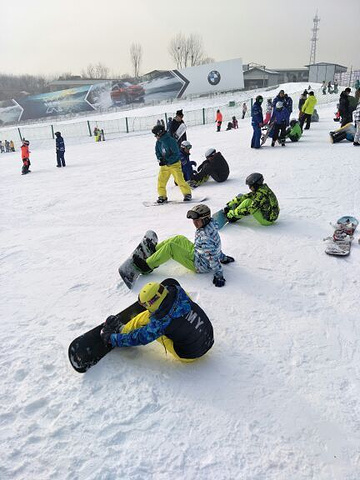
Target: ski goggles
[{"x": 193, "y": 215}]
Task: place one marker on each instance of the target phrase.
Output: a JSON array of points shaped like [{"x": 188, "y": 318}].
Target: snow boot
[
  {"x": 141, "y": 264},
  {"x": 187, "y": 197},
  {"x": 162, "y": 200}
]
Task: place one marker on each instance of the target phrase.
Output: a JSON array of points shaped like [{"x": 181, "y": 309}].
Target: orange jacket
[
  {"x": 25, "y": 153},
  {"x": 219, "y": 117}
]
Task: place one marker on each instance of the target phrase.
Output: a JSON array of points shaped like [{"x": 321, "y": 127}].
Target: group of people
[
  {"x": 99, "y": 134},
  {"x": 59, "y": 149},
  {"x": 327, "y": 87},
  {"x": 173, "y": 150},
  {"x": 348, "y": 108},
  {"x": 277, "y": 120},
  {"x": 7, "y": 146},
  {"x": 169, "y": 315}
]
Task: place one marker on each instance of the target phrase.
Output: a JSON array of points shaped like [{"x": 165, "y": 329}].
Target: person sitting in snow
[
  {"x": 186, "y": 164},
  {"x": 170, "y": 316},
  {"x": 215, "y": 166},
  {"x": 294, "y": 131},
  {"x": 347, "y": 132},
  {"x": 261, "y": 202},
  {"x": 202, "y": 256}
]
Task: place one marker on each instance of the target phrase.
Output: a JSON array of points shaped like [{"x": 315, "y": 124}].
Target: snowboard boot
[
  {"x": 151, "y": 246},
  {"x": 273, "y": 143},
  {"x": 162, "y": 200},
  {"x": 141, "y": 264},
  {"x": 356, "y": 144},
  {"x": 187, "y": 197}
]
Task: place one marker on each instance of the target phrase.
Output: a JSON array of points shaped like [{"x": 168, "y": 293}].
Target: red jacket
[
  {"x": 25, "y": 153},
  {"x": 219, "y": 117}
]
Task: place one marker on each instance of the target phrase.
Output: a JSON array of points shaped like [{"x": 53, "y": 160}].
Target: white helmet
[
  {"x": 279, "y": 105},
  {"x": 210, "y": 152},
  {"x": 185, "y": 144}
]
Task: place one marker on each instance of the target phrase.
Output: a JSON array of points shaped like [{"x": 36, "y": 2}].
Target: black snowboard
[{"x": 85, "y": 351}]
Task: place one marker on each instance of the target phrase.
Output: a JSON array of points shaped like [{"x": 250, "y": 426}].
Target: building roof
[
  {"x": 266, "y": 70},
  {"x": 326, "y": 63}
]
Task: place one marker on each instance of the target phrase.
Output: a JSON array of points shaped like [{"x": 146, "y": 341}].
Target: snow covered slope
[{"x": 278, "y": 396}]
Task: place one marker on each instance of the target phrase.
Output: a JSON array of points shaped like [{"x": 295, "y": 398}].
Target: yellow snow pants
[{"x": 164, "y": 174}]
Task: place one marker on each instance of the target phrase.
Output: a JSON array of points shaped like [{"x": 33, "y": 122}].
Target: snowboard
[
  {"x": 180, "y": 131},
  {"x": 87, "y": 349},
  {"x": 339, "y": 244},
  {"x": 176, "y": 202},
  {"x": 266, "y": 132},
  {"x": 127, "y": 270},
  {"x": 220, "y": 218}
]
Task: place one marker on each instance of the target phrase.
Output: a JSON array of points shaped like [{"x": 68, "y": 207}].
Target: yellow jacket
[{"x": 309, "y": 105}]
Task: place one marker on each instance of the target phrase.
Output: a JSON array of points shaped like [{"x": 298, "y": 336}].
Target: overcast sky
[{"x": 52, "y": 37}]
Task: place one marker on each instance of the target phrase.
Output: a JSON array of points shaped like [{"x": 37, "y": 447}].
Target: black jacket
[{"x": 216, "y": 166}]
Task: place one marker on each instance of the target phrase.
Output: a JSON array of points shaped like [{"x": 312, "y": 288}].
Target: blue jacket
[
  {"x": 178, "y": 318},
  {"x": 60, "y": 145},
  {"x": 207, "y": 249},
  {"x": 167, "y": 150},
  {"x": 186, "y": 165},
  {"x": 256, "y": 114},
  {"x": 280, "y": 116}
]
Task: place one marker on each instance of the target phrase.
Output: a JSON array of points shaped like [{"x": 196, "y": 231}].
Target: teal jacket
[
  {"x": 263, "y": 199},
  {"x": 167, "y": 150}
]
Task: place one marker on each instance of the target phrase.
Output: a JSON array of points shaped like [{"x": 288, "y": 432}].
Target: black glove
[
  {"x": 227, "y": 259},
  {"x": 232, "y": 219},
  {"x": 226, "y": 209},
  {"x": 162, "y": 162},
  {"x": 219, "y": 281},
  {"x": 105, "y": 335}
]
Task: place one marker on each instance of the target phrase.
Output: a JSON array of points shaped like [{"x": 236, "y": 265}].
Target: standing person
[
  {"x": 344, "y": 107},
  {"x": 170, "y": 316},
  {"x": 25, "y": 156},
  {"x": 186, "y": 163},
  {"x": 244, "y": 110},
  {"x": 215, "y": 166},
  {"x": 261, "y": 202},
  {"x": 168, "y": 154},
  {"x": 178, "y": 127},
  {"x": 268, "y": 111},
  {"x": 357, "y": 123},
  {"x": 7, "y": 146},
  {"x": 12, "y": 146},
  {"x": 1, "y": 147},
  {"x": 336, "y": 86},
  {"x": 102, "y": 135},
  {"x": 323, "y": 87},
  {"x": 308, "y": 110},
  {"x": 60, "y": 150},
  {"x": 218, "y": 120},
  {"x": 280, "y": 118},
  {"x": 288, "y": 105},
  {"x": 329, "y": 87},
  {"x": 302, "y": 100},
  {"x": 256, "y": 121},
  {"x": 202, "y": 256}
]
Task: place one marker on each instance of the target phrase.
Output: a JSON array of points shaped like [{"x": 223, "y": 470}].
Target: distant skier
[
  {"x": 307, "y": 110},
  {"x": 60, "y": 150},
  {"x": 171, "y": 317},
  {"x": 168, "y": 154},
  {"x": 202, "y": 256},
  {"x": 186, "y": 163},
  {"x": 25, "y": 155},
  {"x": 244, "y": 110},
  {"x": 256, "y": 121},
  {"x": 215, "y": 166},
  {"x": 280, "y": 118},
  {"x": 218, "y": 120},
  {"x": 261, "y": 202},
  {"x": 12, "y": 146}
]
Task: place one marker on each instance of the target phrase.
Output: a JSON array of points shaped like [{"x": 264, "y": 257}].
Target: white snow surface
[{"x": 278, "y": 395}]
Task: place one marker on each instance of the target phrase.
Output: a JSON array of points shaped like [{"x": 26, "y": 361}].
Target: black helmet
[
  {"x": 158, "y": 130},
  {"x": 254, "y": 180},
  {"x": 58, "y": 134},
  {"x": 259, "y": 99},
  {"x": 201, "y": 211},
  {"x": 293, "y": 122}
]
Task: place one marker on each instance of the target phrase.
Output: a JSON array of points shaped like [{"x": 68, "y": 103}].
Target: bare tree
[
  {"x": 136, "y": 57},
  {"x": 187, "y": 52},
  {"x": 95, "y": 71}
]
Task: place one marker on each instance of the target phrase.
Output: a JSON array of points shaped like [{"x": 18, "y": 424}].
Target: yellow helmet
[{"x": 152, "y": 295}]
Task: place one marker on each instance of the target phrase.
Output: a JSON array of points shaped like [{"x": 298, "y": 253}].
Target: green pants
[
  {"x": 179, "y": 248},
  {"x": 257, "y": 214}
]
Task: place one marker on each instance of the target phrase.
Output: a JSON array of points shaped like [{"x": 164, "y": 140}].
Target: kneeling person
[
  {"x": 261, "y": 202},
  {"x": 171, "y": 318}
]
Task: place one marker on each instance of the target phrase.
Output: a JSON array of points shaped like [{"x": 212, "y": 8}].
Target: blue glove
[
  {"x": 219, "y": 281},
  {"x": 227, "y": 259}
]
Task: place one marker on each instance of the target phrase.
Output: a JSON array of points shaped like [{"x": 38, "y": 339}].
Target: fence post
[
  {"x": 203, "y": 116},
  {"x": 19, "y": 133},
  {"x": 88, "y": 124},
  {"x": 251, "y": 102},
  {"x": 52, "y": 131},
  {"x": 166, "y": 119},
  {"x": 127, "y": 124}
]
